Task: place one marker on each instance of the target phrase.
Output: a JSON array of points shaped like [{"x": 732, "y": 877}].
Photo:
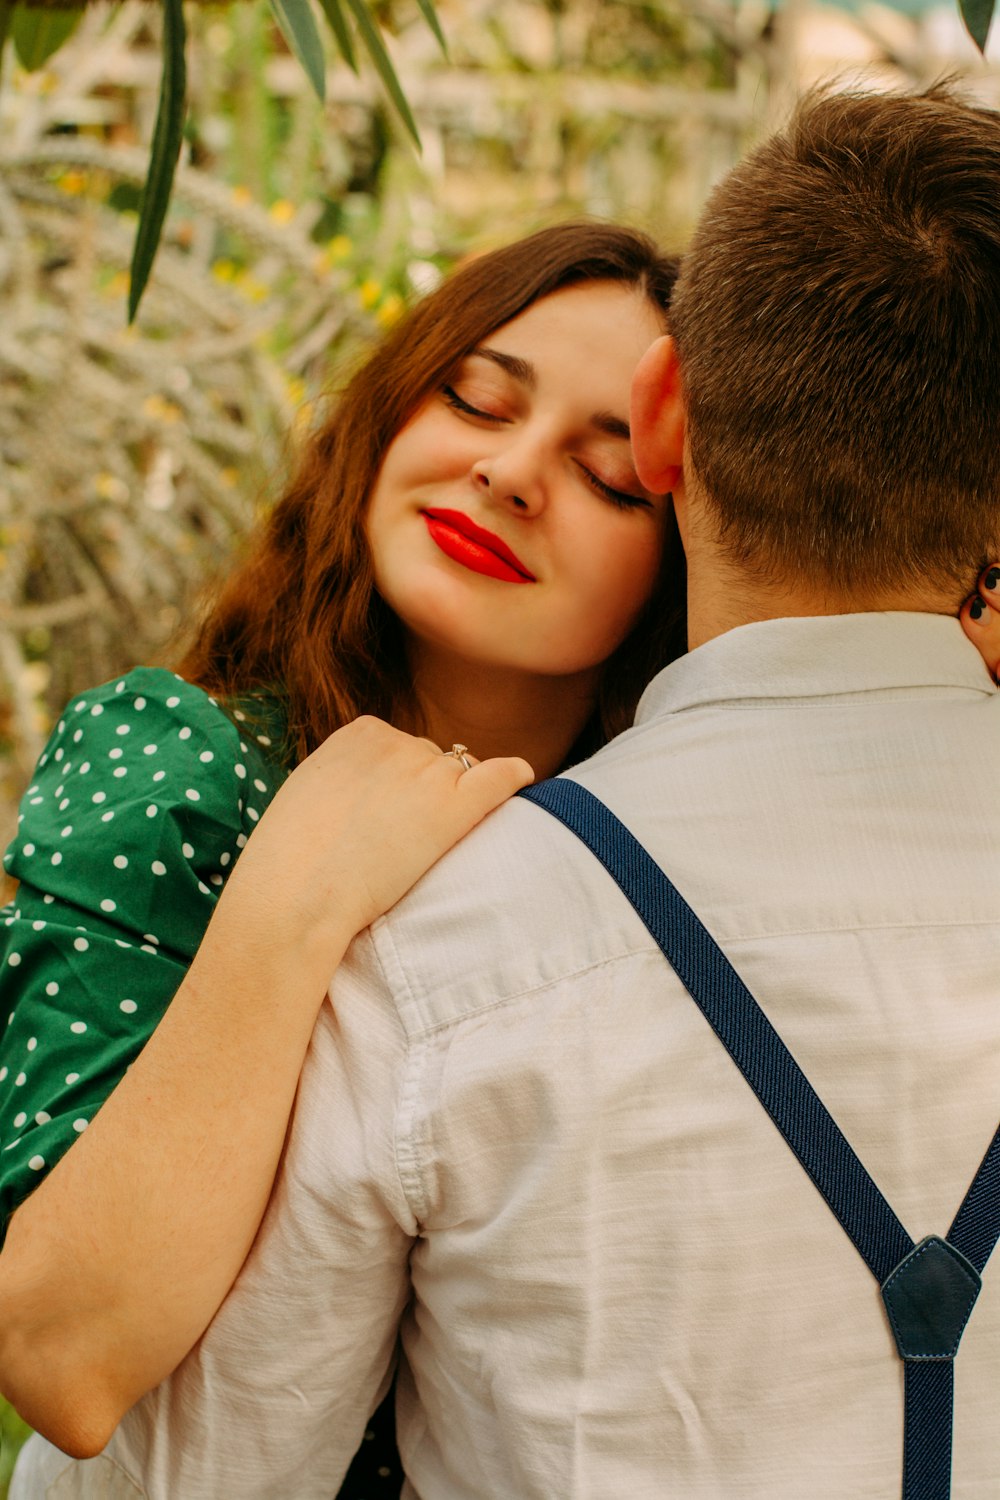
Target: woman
[{"x": 465, "y": 552}]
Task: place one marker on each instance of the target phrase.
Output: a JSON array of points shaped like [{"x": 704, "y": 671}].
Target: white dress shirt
[{"x": 518, "y": 1143}]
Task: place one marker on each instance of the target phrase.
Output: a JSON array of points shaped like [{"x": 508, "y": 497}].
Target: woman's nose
[{"x": 515, "y": 479}]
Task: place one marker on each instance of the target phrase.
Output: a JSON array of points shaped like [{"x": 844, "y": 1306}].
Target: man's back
[{"x": 623, "y": 1282}]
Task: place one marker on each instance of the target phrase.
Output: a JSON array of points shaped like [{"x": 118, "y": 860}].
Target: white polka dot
[
  {"x": 32, "y": 1043},
  {"x": 72, "y": 1078},
  {"x": 38, "y": 926},
  {"x": 14, "y": 960},
  {"x": 15, "y": 1142},
  {"x": 241, "y": 840},
  {"x": 238, "y": 715},
  {"x": 253, "y": 814},
  {"x": 204, "y": 888},
  {"x": 146, "y": 948},
  {"x": 206, "y": 756},
  {"x": 184, "y": 734},
  {"x": 187, "y": 851},
  {"x": 241, "y": 772},
  {"x": 43, "y": 760},
  {"x": 60, "y": 726},
  {"x": 151, "y": 810},
  {"x": 124, "y": 729},
  {"x": 36, "y": 1163},
  {"x": 97, "y": 710},
  {"x": 108, "y": 905},
  {"x": 37, "y": 801},
  {"x": 99, "y": 797},
  {"x": 81, "y": 945},
  {"x": 262, "y": 739},
  {"x": 43, "y": 1117},
  {"x": 28, "y": 849},
  {"x": 129, "y": 1007},
  {"x": 78, "y": 1027},
  {"x": 59, "y": 754},
  {"x": 3, "y": 1071},
  {"x": 116, "y": 753},
  {"x": 48, "y": 900},
  {"x": 78, "y": 736},
  {"x": 85, "y": 768},
  {"x": 243, "y": 748},
  {"x": 20, "y": 1119},
  {"x": 225, "y": 858},
  {"x": 158, "y": 867},
  {"x": 159, "y": 775},
  {"x": 120, "y": 686},
  {"x": 215, "y": 879},
  {"x": 20, "y": 1080},
  {"x": 106, "y": 817},
  {"x": 121, "y": 862},
  {"x": 149, "y": 749},
  {"x": 260, "y": 785},
  {"x": 151, "y": 937},
  {"x": 119, "y": 771},
  {"x": 80, "y": 706},
  {"x": 120, "y": 944},
  {"x": 172, "y": 702},
  {"x": 56, "y": 858},
  {"x": 52, "y": 988},
  {"x": 67, "y": 831},
  {"x": 192, "y": 795},
  {"x": 140, "y": 703},
  {"x": 60, "y": 790},
  {"x": 64, "y": 804},
  {"x": 80, "y": 1125}
]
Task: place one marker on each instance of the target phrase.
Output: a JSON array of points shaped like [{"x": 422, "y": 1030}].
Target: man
[{"x": 519, "y": 1143}]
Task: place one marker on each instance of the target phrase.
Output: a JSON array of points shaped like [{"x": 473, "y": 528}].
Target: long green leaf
[
  {"x": 298, "y": 27},
  {"x": 338, "y": 26},
  {"x": 165, "y": 150},
  {"x": 977, "y": 15},
  {"x": 6, "y": 13},
  {"x": 39, "y": 33},
  {"x": 430, "y": 15},
  {"x": 383, "y": 64}
]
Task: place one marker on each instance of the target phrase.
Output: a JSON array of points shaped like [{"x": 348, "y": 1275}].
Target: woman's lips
[{"x": 464, "y": 542}]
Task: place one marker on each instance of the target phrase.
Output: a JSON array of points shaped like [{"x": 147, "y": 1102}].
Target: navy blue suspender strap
[{"x": 928, "y": 1288}]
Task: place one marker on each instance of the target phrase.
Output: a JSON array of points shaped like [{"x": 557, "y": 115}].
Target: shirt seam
[{"x": 405, "y": 1153}]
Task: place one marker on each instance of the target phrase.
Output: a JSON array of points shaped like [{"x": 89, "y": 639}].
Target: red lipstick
[{"x": 464, "y": 542}]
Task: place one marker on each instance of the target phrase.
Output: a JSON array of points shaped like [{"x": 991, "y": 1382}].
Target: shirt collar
[{"x": 820, "y": 657}]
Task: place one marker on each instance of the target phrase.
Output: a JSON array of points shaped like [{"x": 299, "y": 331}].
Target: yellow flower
[
  {"x": 390, "y": 310},
  {"x": 242, "y": 196},
  {"x": 281, "y": 211},
  {"x": 340, "y": 247},
  {"x": 224, "y": 270},
  {"x": 73, "y": 181},
  {"x": 369, "y": 293}
]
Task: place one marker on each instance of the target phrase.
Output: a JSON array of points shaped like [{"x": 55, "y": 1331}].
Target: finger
[
  {"x": 491, "y": 782},
  {"x": 982, "y": 625},
  {"x": 989, "y": 586}
]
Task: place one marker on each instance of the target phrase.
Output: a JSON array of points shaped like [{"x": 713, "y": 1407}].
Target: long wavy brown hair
[{"x": 300, "y": 618}]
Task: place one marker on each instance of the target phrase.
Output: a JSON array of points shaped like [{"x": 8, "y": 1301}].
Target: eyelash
[{"x": 621, "y": 498}]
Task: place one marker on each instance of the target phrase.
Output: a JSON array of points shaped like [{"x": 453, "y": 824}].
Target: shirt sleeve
[{"x": 141, "y": 803}]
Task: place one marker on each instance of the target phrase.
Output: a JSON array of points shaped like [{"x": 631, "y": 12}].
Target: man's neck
[{"x": 722, "y": 597}]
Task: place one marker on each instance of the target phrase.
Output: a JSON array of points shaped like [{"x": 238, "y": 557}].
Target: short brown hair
[
  {"x": 838, "y": 330},
  {"x": 301, "y": 618}
]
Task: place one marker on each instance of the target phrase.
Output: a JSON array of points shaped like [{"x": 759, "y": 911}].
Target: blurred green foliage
[{"x": 12, "y": 1434}]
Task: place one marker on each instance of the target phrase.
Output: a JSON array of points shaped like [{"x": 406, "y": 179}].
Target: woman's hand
[
  {"x": 354, "y": 827},
  {"x": 980, "y": 617}
]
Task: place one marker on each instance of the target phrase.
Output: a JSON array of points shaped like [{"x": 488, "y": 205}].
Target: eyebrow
[{"x": 523, "y": 371}]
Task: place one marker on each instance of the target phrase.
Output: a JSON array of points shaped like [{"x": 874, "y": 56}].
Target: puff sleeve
[{"x": 142, "y": 802}]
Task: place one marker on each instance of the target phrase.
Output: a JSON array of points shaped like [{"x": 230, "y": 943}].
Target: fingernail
[
  {"x": 992, "y": 578},
  {"x": 977, "y": 609}
]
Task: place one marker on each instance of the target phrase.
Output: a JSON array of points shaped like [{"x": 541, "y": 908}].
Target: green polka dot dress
[{"x": 140, "y": 806}]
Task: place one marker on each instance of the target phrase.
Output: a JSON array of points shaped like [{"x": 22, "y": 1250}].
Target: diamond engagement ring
[{"x": 460, "y": 752}]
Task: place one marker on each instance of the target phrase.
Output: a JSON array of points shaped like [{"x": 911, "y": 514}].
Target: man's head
[{"x": 837, "y": 328}]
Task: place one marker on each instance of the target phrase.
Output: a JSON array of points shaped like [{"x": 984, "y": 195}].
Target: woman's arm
[{"x": 117, "y": 1262}]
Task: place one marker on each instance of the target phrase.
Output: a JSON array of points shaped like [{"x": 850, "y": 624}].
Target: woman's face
[{"x": 507, "y": 524}]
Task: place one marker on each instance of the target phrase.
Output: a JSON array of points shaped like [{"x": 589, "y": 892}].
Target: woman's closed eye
[
  {"x": 622, "y": 498},
  {"x": 459, "y": 403}
]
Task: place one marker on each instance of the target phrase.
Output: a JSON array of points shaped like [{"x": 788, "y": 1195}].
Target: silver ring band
[{"x": 460, "y": 752}]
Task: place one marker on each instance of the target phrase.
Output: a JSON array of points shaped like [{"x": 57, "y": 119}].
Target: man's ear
[{"x": 657, "y": 418}]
